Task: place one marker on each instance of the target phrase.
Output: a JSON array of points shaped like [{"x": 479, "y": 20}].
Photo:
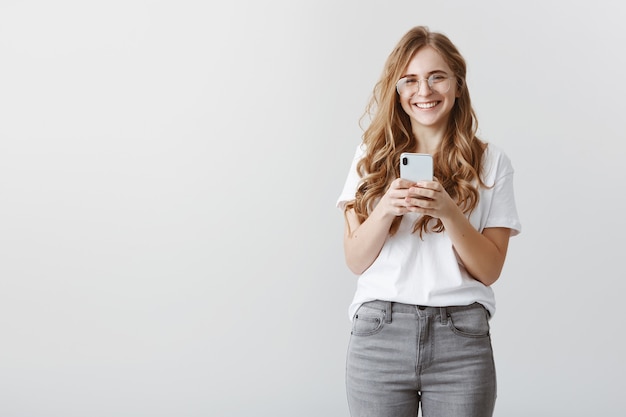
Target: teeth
[{"x": 426, "y": 105}]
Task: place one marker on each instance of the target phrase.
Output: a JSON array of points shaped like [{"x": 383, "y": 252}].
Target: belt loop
[
  {"x": 387, "y": 312},
  {"x": 443, "y": 312}
]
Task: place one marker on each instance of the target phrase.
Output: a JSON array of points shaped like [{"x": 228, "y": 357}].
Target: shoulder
[
  {"x": 494, "y": 153},
  {"x": 360, "y": 151},
  {"x": 496, "y": 163}
]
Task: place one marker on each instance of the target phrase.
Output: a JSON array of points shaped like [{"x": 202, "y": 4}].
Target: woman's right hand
[
  {"x": 363, "y": 241},
  {"x": 393, "y": 202}
]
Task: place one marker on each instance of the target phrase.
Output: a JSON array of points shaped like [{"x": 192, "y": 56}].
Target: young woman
[{"x": 426, "y": 252}]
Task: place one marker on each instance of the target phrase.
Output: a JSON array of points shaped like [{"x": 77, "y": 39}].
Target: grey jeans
[{"x": 401, "y": 356}]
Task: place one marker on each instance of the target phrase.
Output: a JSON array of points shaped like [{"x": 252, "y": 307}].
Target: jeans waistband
[{"x": 390, "y": 307}]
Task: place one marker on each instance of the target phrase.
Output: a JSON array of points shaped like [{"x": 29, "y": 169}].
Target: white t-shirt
[{"x": 428, "y": 272}]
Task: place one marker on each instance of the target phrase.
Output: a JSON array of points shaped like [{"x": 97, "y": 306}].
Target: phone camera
[{"x": 405, "y": 161}]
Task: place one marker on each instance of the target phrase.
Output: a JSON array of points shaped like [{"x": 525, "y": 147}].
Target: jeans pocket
[
  {"x": 367, "y": 321},
  {"x": 470, "y": 322}
]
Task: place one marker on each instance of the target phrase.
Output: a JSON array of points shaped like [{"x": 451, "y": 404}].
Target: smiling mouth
[{"x": 428, "y": 105}]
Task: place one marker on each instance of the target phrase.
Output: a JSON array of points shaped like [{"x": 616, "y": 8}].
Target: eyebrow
[{"x": 429, "y": 74}]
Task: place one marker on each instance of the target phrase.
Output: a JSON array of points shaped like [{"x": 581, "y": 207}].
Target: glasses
[{"x": 410, "y": 85}]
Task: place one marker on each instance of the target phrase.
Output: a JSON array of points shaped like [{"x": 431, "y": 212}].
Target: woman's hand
[
  {"x": 397, "y": 199},
  {"x": 482, "y": 254},
  {"x": 363, "y": 241},
  {"x": 430, "y": 198}
]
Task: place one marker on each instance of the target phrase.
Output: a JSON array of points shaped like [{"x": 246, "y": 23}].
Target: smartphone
[{"x": 416, "y": 166}]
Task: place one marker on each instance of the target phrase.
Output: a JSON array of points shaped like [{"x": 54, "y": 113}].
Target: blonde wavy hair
[{"x": 457, "y": 162}]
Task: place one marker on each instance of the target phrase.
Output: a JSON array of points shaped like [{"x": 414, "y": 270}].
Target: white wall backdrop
[{"x": 169, "y": 244}]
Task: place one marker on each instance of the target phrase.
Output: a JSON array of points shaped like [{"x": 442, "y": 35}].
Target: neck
[{"x": 428, "y": 138}]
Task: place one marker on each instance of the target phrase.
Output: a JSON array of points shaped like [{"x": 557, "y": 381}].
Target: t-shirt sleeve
[
  {"x": 352, "y": 181},
  {"x": 503, "y": 210}
]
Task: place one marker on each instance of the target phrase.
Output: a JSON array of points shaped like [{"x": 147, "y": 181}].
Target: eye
[
  {"x": 410, "y": 80},
  {"x": 437, "y": 78}
]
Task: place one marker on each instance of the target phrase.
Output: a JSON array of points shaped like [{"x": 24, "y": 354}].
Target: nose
[{"x": 423, "y": 89}]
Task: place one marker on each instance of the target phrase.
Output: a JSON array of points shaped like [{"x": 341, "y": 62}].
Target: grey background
[{"x": 169, "y": 242}]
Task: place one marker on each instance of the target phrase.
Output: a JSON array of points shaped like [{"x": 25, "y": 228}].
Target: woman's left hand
[{"x": 430, "y": 198}]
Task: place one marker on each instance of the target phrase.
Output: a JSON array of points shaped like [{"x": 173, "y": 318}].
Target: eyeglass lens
[{"x": 411, "y": 85}]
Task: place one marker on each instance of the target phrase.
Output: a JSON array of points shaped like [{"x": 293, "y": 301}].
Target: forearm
[
  {"x": 363, "y": 241},
  {"x": 482, "y": 254}
]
